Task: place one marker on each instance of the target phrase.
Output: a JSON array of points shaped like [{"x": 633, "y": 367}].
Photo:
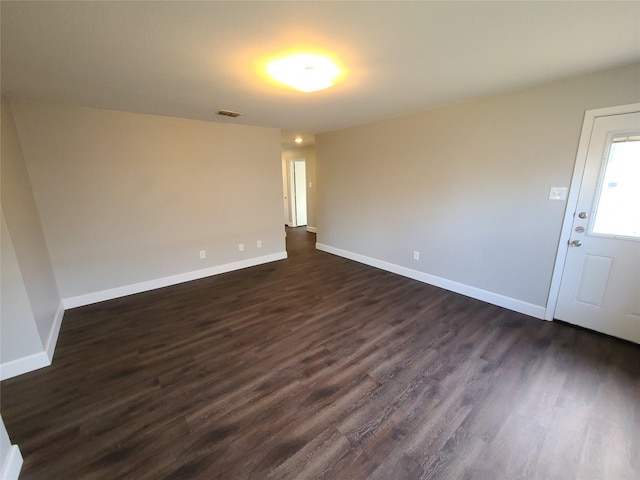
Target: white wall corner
[
  {"x": 110, "y": 294},
  {"x": 37, "y": 360},
  {"x": 467, "y": 290},
  {"x": 312, "y": 229},
  {"x": 12, "y": 464}
]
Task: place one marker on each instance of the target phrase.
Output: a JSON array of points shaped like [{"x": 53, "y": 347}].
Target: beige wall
[
  {"x": 30, "y": 299},
  {"x": 309, "y": 154},
  {"x": 127, "y": 198},
  {"x": 465, "y": 185}
]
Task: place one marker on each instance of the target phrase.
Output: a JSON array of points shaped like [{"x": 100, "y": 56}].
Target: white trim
[
  {"x": 12, "y": 464},
  {"x": 50, "y": 346},
  {"x": 467, "y": 290},
  {"x": 312, "y": 229},
  {"x": 100, "y": 296},
  {"x": 572, "y": 200},
  {"x": 16, "y": 367}
]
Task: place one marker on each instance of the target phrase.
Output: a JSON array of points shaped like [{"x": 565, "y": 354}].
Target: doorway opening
[{"x": 296, "y": 193}]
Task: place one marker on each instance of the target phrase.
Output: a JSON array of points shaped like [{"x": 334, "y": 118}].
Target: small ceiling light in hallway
[{"x": 304, "y": 72}]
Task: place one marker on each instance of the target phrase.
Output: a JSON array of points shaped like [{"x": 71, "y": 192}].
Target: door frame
[{"x": 572, "y": 199}]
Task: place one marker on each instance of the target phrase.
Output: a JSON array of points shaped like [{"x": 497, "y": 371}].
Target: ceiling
[{"x": 191, "y": 59}]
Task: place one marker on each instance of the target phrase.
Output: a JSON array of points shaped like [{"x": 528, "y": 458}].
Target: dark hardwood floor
[{"x": 316, "y": 367}]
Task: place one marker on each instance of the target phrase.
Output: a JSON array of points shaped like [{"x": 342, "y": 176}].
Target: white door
[
  {"x": 298, "y": 193},
  {"x": 600, "y": 286},
  {"x": 285, "y": 192}
]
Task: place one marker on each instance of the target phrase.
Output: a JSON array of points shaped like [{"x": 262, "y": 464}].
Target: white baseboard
[
  {"x": 467, "y": 290},
  {"x": 50, "y": 346},
  {"x": 16, "y": 367},
  {"x": 312, "y": 229},
  {"x": 12, "y": 464},
  {"x": 95, "y": 297}
]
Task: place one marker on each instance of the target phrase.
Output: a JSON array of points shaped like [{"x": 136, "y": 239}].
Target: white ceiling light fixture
[
  {"x": 298, "y": 140},
  {"x": 304, "y": 72}
]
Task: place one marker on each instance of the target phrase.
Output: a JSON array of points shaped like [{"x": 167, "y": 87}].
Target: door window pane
[{"x": 618, "y": 204}]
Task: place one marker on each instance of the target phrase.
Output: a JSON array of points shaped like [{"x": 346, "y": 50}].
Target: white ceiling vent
[{"x": 229, "y": 113}]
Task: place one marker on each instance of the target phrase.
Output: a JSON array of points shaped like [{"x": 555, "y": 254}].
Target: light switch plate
[{"x": 558, "y": 193}]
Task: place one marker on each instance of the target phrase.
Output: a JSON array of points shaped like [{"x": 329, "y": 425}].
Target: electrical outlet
[
  {"x": 259, "y": 243},
  {"x": 241, "y": 246},
  {"x": 416, "y": 255},
  {"x": 203, "y": 254}
]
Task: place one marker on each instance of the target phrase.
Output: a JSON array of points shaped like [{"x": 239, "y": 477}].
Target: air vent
[{"x": 229, "y": 113}]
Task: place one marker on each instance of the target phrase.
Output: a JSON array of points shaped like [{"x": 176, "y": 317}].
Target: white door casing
[{"x": 596, "y": 281}]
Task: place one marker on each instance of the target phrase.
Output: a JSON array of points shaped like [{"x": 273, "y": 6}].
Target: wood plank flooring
[{"x": 316, "y": 367}]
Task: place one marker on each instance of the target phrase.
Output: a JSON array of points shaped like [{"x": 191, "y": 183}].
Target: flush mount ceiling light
[
  {"x": 304, "y": 72},
  {"x": 298, "y": 140}
]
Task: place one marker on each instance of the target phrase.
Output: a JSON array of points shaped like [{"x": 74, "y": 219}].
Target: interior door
[
  {"x": 600, "y": 286},
  {"x": 298, "y": 193},
  {"x": 285, "y": 192}
]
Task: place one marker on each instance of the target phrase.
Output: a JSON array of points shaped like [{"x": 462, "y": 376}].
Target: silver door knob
[
  {"x": 576, "y": 243},
  {"x": 583, "y": 215}
]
